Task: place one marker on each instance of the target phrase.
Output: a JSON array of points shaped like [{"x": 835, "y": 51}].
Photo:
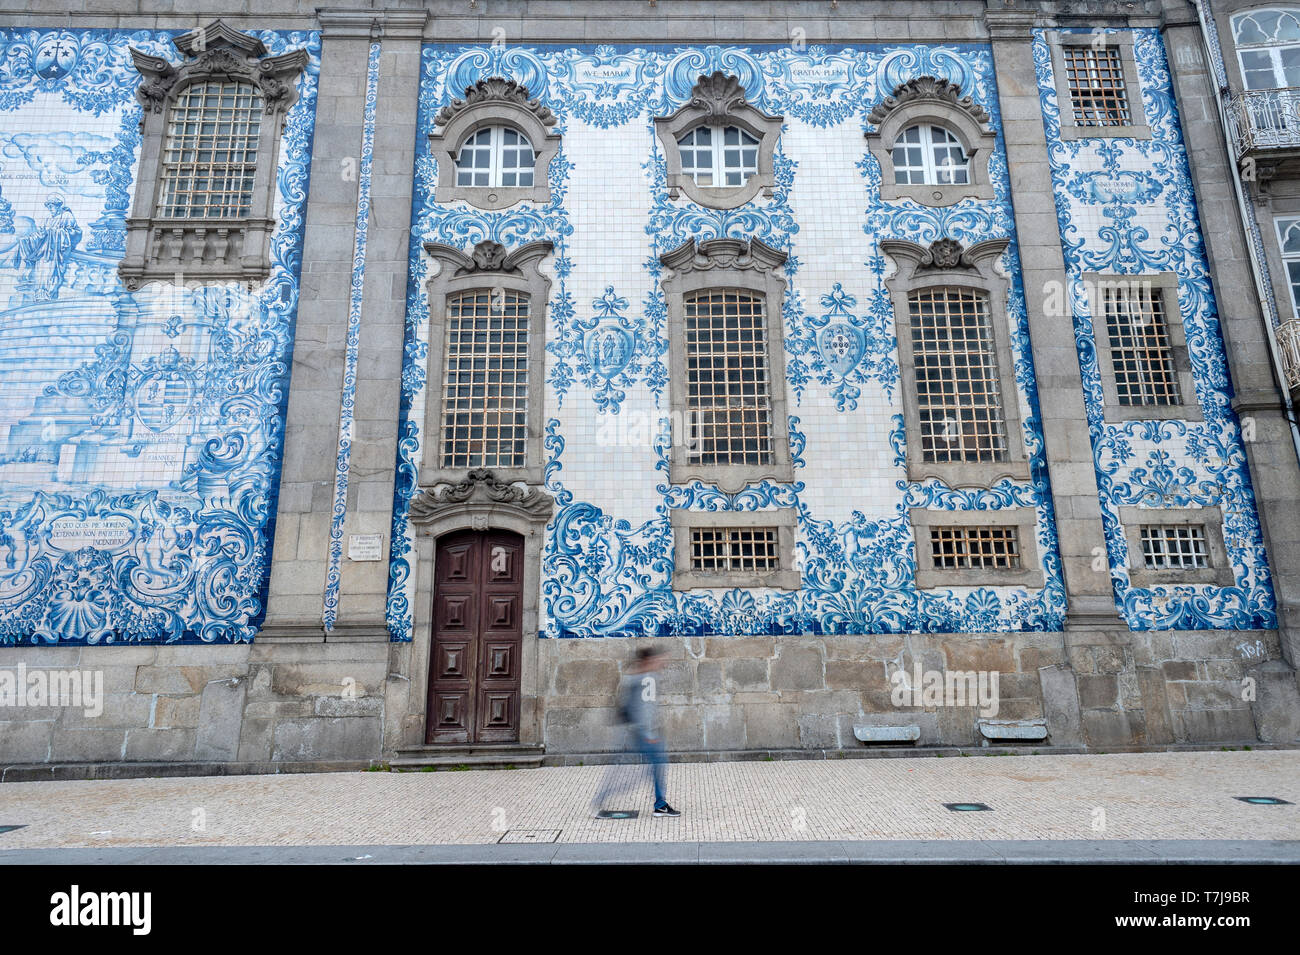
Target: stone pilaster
[{"x": 1075, "y": 496}]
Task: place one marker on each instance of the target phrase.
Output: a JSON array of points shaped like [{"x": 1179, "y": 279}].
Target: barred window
[
  {"x": 930, "y": 155},
  {"x": 728, "y": 396},
  {"x": 496, "y": 156},
  {"x": 734, "y": 549},
  {"x": 975, "y": 548},
  {"x": 1095, "y": 78},
  {"x": 1174, "y": 547},
  {"x": 958, "y": 393},
  {"x": 1140, "y": 348},
  {"x": 210, "y": 154},
  {"x": 484, "y": 412},
  {"x": 719, "y": 155}
]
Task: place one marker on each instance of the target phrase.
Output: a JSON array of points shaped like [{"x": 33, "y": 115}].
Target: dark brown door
[{"x": 477, "y": 636}]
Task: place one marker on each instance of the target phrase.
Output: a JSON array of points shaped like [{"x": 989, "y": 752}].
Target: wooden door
[{"x": 477, "y": 638}]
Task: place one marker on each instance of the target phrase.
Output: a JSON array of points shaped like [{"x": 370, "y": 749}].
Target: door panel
[{"x": 477, "y": 638}]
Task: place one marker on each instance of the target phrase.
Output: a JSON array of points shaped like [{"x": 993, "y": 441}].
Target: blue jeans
[
  {"x": 616, "y": 781},
  {"x": 656, "y": 756}
]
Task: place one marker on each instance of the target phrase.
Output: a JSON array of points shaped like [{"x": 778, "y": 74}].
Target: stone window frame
[
  {"x": 493, "y": 101},
  {"x": 1210, "y": 517},
  {"x": 945, "y": 264},
  {"x": 219, "y": 249},
  {"x": 1166, "y": 284},
  {"x": 1138, "y": 127},
  {"x": 784, "y": 519},
  {"x": 745, "y": 265},
  {"x": 490, "y": 267},
  {"x": 719, "y": 99},
  {"x": 1024, "y": 519},
  {"x": 928, "y": 101}
]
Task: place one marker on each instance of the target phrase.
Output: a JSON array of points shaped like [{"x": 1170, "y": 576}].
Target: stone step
[{"x": 472, "y": 756}]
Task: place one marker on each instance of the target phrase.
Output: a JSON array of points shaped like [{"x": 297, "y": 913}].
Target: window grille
[
  {"x": 734, "y": 549},
  {"x": 975, "y": 548},
  {"x": 485, "y": 396},
  {"x": 496, "y": 156},
  {"x": 1174, "y": 547},
  {"x": 718, "y": 156},
  {"x": 728, "y": 397},
  {"x": 210, "y": 154},
  {"x": 1095, "y": 77},
  {"x": 958, "y": 393},
  {"x": 930, "y": 155},
  {"x": 1140, "y": 348}
]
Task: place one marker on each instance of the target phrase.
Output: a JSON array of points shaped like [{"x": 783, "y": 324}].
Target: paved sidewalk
[{"x": 1131, "y": 798}]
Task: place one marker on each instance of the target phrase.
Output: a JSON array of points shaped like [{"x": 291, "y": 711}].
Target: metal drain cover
[
  {"x": 1263, "y": 800},
  {"x": 619, "y": 813},
  {"x": 11, "y": 828},
  {"x": 967, "y": 807},
  {"x": 529, "y": 835}
]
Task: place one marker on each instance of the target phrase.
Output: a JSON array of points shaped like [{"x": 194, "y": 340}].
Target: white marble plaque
[{"x": 365, "y": 546}]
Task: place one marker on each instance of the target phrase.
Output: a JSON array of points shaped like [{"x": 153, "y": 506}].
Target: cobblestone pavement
[{"x": 1131, "y": 796}]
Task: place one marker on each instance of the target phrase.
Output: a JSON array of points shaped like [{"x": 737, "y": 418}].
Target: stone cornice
[{"x": 945, "y": 255}]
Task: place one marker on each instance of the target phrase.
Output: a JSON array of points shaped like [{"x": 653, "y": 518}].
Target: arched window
[
  {"x": 929, "y": 155},
  {"x": 496, "y": 156},
  {"x": 1268, "y": 48},
  {"x": 933, "y": 143},
  {"x": 494, "y": 147},
  {"x": 210, "y": 157},
  {"x": 719, "y": 156},
  {"x": 718, "y": 149}
]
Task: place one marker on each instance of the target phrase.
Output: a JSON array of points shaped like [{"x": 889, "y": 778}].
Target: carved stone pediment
[
  {"x": 490, "y": 257},
  {"x": 945, "y": 254},
  {"x": 929, "y": 88},
  {"x": 220, "y": 52},
  {"x": 482, "y": 490},
  {"x": 718, "y": 95},
  {"x": 724, "y": 253},
  {"x": 493, "y": 90}
]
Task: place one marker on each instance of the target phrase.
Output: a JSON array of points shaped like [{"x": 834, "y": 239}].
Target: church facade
[{"x": 374, "y": 383}]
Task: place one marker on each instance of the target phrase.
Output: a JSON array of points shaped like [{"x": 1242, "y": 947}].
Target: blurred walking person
[{"x": 638, "y": 710}]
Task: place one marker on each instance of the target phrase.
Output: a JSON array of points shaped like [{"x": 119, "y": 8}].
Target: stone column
[
  {"x": 1271, "y": 454},
  {"x": 311, "y": 431},
  {"x": 1075, "y": 496}
]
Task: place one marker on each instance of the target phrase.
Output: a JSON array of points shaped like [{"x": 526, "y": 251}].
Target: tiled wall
[
  {"x": 607, "y": 563},
  {"x": 140, "y": 434},
  {"x": 1150, "y": 226}
]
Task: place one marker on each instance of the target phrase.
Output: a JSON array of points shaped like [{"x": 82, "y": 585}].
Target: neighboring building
[{"x": 371, "y": 382}]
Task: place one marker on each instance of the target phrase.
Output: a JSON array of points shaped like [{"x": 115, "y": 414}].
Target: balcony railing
[
  {"x": 1265, "y": 119},
  {"x": 1288, "y": 343}
]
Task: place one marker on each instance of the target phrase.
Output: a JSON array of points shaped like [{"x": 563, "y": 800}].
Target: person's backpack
[{"x": 623, "y": 706}]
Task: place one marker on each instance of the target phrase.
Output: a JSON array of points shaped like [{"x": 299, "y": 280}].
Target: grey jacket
[{"x": 640, "y": 714}]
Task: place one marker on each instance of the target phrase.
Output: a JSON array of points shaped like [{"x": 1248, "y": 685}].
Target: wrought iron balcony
[{"x": 1265, "y": 122}]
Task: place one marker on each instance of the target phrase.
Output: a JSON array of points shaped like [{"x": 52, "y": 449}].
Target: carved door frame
[{"x": 479, "y": 503}]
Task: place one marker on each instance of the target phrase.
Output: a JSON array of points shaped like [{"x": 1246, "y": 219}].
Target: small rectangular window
[
  {"x": 723, "y": 550},
  {"x": 1095, "y": 78},
  {"x": 728, "y": 395},
  {"x": 973, "y": 547},
  {"x": 485, "y": 397},
  {"x": 1140, "y": 348},
  {"x": 1174, "y": 547},
  {"x": 959, "y": 395}
]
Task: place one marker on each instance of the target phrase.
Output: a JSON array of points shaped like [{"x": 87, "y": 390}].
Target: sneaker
[{"x": 666, "y": 810}]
